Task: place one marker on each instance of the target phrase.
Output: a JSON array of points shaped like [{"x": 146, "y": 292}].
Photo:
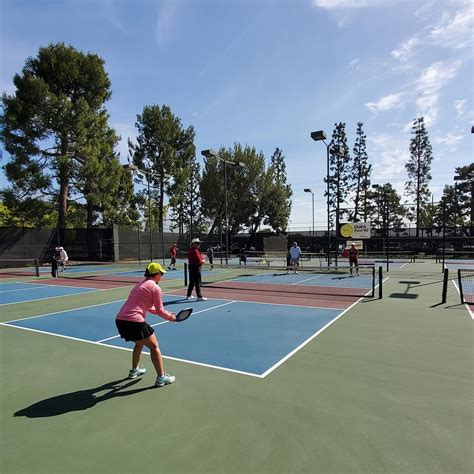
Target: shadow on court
[{"x": 80, "y": 400}]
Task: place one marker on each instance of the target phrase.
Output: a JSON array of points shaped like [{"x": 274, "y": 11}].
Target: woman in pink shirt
[{"x": 130, "y": 321}]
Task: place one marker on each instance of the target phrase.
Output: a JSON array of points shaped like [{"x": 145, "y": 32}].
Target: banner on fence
[{"x": 355, "y": 230}]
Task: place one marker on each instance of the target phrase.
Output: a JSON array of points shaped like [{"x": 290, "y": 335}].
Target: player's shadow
[{"x": 80, "y": 400}]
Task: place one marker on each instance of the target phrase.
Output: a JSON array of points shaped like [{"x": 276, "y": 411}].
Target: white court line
[
  {"x": 37, "y": 286},
  {"x": 225, "y": 369},
  {"x": 307, "y": 279},
  {"x": 294, "y": 351},
  {"x": 52, "y": 297},
  {"x": 165, "y": 322},
  {"x": 261, "y": 376},
  {"x": 471, "y": 314}
]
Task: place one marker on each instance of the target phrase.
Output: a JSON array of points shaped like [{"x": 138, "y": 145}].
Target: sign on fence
[{"x": 355, "y": 230}]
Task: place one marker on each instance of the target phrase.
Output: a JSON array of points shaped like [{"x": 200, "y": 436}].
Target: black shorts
[{"x": 131, "y": 331}]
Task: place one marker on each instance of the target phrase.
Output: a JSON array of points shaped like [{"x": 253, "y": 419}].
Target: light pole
[
  {"x": 308, "y": 190},
  {"x": 210, "y": 153},
  {"x": 148, "y": 174},
  {"x": 320, "y": 136}
]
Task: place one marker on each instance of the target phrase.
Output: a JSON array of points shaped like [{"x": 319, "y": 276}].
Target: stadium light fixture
[{"x": 321, "y": 136}]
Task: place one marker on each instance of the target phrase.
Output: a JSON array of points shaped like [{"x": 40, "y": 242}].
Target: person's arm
[{"x": 158, "y": 308}]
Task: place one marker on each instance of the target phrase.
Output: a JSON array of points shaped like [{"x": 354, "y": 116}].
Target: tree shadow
[{"x": 80, "y": 400}]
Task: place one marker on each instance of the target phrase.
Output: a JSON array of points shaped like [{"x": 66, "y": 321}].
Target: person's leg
[
  {"x": 197, "y": 279},
  {"x": 162, "y": 378},
  {"x": 137, "y": 351},
  {"x": 137, "y": 371},
  {"x": 350, "y": 264},
  {"x": 155, "y": 354},
  {"x": 191, "y": 281}
]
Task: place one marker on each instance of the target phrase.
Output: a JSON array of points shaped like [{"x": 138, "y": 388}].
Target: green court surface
[{"x": 388, "y": 387}]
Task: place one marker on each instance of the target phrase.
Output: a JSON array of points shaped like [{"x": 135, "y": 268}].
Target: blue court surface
[
  {"x": 309, "y": 279},
  {"x": 462, "y": 264},
  {"x": 23, "y": 292},
  {"x": 245, "y": 337}
]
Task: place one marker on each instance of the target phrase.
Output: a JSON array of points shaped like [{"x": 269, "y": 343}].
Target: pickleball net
[
  {"x": 17, "y": 267},
  {"x": 466, "y": 285},
  {"x": 308, "y": 281}
]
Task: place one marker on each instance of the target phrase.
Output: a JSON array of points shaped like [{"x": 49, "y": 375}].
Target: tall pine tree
[
  {"x": 339, "y": 171},
  {"x": 361, "y": 176},
  {"x": 418, "y": 168}
]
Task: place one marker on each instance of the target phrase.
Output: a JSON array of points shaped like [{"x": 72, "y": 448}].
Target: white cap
[{"x": 196, "y": 241}]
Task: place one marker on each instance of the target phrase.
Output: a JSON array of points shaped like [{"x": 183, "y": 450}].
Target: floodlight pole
[
  {"x": 210, "y": 153},
  {"x": 320, "y": 135},
  {"x": 132, "y": 168},
  {"x": 308, "y": 190}
]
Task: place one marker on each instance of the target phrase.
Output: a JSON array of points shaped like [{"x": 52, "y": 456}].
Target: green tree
[
  {"x": 418, "y": 168},
  {"x": 360, "y": 172},
  {"x": 339, "y": 172},
  {"x": 279, "y": 205},
  {"x": 47, "y": 124},
  {"x": 388, "y": 208},
  {"x": 165, "y": 151}
]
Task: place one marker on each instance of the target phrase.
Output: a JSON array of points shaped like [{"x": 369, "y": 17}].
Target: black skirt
[{"x": 131, "y": 331}]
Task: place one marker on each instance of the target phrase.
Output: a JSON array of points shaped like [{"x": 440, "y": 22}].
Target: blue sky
[{"x": 267, "y": 73}]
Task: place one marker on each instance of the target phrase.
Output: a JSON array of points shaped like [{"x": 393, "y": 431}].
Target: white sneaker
[
  {"x": 190, "y": 297},
  {"x": 138, "y": 372},
  {"x": 202, "y": 298},
  {"x": 165, "y": 379}
]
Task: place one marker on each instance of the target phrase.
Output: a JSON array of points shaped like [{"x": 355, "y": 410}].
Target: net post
[
  {"x": 185, "y": 274},
  {"x": 460, "y": 285},
  {"x": 445, "y": 285},
  {"x": 37, "y": 269},
  {"x": 380, "y": 283}
]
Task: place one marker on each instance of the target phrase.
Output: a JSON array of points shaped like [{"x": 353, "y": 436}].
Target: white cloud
[
  {"x": 459, "y": 106},
  {"x": 432, "y": 79},
  {"x": 453, "y": 30},
  {"x": 406, "y": 49},
  {"x": 388, "y": 102},
  {"x": 449, "y": 139},
  {"x": 354, "y": 64}
]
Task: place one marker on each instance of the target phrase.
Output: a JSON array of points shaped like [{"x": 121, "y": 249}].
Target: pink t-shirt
[{"x": 145, "y": 297}]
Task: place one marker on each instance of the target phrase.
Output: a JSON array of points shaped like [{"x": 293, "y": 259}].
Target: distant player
[
  {"x": 243, "y": 257},
  {"x": 173, "y": 254},
  {"x": 210, "y": 256},
  {"x": 353, "y": 253},
  {"x": 295, "y": 254},
  {"x": 63, "y": 258}
]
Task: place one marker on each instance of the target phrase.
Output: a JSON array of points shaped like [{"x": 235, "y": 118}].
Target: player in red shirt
[
  {"x": 195, "y": 261},
  {"x": 353, "y": 254},
  {"x": 173, "y": 253}
]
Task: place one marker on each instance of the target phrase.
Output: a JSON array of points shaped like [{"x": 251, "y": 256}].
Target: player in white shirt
[
  {"x": 63, "y": 258},
  {"x": 295, "y": 254}
]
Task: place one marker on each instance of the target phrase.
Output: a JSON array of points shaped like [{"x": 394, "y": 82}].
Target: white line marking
[
  {"x": 471, "y": 314},
  {"x": 294, "y": 351},
  {"x": 165, "y": 322},
  {"x": 130, "y": 350},
  {"x": 63, "y": 311},
  {"x": 307, "y": 279},
  {"x": 51, "y": 297}
]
